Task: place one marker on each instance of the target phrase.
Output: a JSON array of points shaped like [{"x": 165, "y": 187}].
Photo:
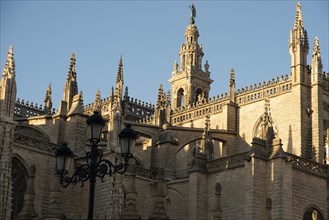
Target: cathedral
[{"x": 259, "y": 152}]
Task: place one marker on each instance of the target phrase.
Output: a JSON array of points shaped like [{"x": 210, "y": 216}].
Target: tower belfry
[{"x": 190, "y": 82}]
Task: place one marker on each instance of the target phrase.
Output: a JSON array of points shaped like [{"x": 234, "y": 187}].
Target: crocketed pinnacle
[
  {"x": 9, "y": 68},
  {"x": 298, "y": 35},
  {"x": 316, "y": 48},
  {"x": 299, "y": 17},
  {"x": 97, "y": 103},
  {"x": 160, "y": 95},
  {"x": 72, "y": 74},
  {"x": 120, "y": 71},
  {"x": 48, "y": 100},
  {"x": 112, "y": 94},
  {"x": 316, "y": 57},
  {"x": 232, "y": 78}
]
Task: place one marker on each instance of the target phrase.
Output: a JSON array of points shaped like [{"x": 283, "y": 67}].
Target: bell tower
[{"x": 189, "y": 83}]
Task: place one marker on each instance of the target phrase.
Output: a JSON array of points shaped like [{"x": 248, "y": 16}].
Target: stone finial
[
  {"x": 48, "y": 100},
  {"x": 119, "y": 81},
  {"x": 299, "y": 16},
  {"x": 298, "y": 35},
  {"x": 232, "y": 78},
  {"x": 71, "y": 85},
  {"x": 97, "y": 106},
  {"x": 232, "y": 86},
  {"x": 112, "y": 94},
  {"x": 9, "y": 68},
  {"x": 175, "y": 66},
  {"x": 316, "y": 58},
  {"x": 72, "y": 73},
  {"x": 126, "y": 95},
  {"x": 160, "y": 96},
  {"x": 120, "y": 71}
]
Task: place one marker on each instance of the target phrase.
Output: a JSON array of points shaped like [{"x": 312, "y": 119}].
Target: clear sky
[{"x": 250, "y": 36}]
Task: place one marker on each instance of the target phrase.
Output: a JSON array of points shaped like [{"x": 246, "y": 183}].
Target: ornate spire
[
  {"x": 71, "y": 85},
  {"x": 298, "y": 35},
  {"x": 120, "y": 71},
  {"x": 48, "y": 100},
  {"x": 298, "y": 49},
  {"x": 299, "y": 17},
  {"x": 126, "y": 95},
  {"x": 9, "y": 68},
  {"x": 316, "y": 57},
  {"x": 97, "y": 104},
  {"x": 232, "y": 78},
  {"x": 112, "y": 94},
  {"x": 119, "y": 81},
  {"x": 8, "y": 86},
  {"x": 160, "y": 97},
  {"x": 232, "y": 85},
  {"x": 72, "y": 74}
]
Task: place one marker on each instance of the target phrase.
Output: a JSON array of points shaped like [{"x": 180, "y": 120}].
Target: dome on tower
[{"x": 192, "y": 30}]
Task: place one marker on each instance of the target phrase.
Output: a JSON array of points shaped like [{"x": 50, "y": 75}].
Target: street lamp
[{"x": 95, "y": 165}]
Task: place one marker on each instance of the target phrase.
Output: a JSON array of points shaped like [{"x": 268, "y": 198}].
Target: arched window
[
  {"x": 312, "y": 214},
  {"x": 19, "y": 177},
  {"x": 180, "y": 98}
]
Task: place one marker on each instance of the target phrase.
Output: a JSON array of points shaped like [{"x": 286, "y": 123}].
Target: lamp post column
[{"x": 92, "y": 180}]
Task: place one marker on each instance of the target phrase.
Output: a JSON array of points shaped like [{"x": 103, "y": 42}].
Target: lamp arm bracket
[{"x": 81, "y": 174}]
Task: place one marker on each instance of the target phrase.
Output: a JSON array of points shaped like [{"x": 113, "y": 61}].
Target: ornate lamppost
[{"x": 95, "y": 165}]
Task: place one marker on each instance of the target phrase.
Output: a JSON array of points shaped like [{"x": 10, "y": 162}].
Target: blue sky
[{"x": 250, "y": 36}]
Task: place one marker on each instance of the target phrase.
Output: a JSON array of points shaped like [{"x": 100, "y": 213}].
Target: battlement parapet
[
  {"x": 199, "y": 109},
  {"x": 200, "y": 72},
  {"x": 26, "y": 109},
  {"x": 306, "y": 165},
  {"x": 138, "y": 108},
  {"x": 269, "y": 83},
  {"x": 89, "y": 108},
  {"x": 257, "y": 92},
  {"x": 147, "y": 120}
]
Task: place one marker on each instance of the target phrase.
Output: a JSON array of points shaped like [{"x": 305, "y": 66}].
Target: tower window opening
[
  {"x": 198, "y": 95},
  {"x": 180, "y": 98}
]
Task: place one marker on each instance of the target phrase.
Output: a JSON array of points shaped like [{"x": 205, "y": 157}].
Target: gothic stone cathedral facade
[{"x": 252, "y": 153}]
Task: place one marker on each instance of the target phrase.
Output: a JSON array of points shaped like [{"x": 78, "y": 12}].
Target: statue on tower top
[{"x": 193, "y": 13}]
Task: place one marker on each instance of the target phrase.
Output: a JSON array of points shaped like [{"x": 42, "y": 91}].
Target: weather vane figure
[{"x": 193, "y": 13}]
